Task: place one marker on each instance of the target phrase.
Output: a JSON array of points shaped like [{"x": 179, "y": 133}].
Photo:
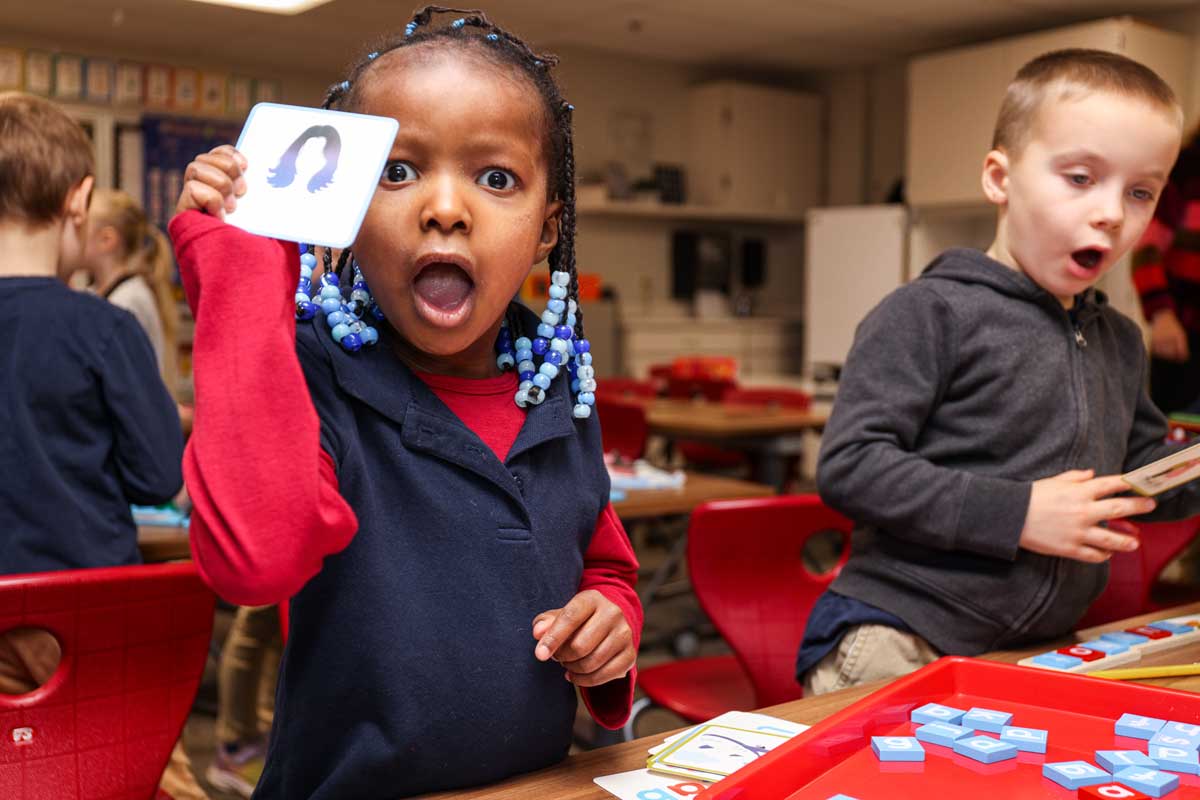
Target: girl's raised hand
[{"x": 213, "y": 182}]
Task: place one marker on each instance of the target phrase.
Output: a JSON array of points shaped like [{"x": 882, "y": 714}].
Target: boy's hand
[
  {"x": 1065, "y": 512},
  {"x": 588, "y": 636},
  {"x": 1168, "y": 339},
  {"x": 213, "y": 182}
]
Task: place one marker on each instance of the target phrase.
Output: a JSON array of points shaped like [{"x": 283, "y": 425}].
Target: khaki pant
[
  {"x": 868, "y": 653},
  {"x": 29, "y": 656},
  {"x": 248, "y": 674}
]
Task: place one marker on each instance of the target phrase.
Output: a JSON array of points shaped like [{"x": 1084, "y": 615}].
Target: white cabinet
[
  {"x": 753, "y": 149},
  {"x": 954, "y": 97}
]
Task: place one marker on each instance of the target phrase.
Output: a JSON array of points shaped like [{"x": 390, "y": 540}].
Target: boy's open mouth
[
  {"x": 443, "y": 285},
  {"x": 1088, "y": 258}
]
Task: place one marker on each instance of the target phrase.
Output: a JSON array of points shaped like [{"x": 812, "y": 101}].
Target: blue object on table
[
  {"x": 897, "y": 748},
  {"x": 935, "y": 712},
  {"x": 164, "y": 516},
  {"x": 985, "y": 749},
  {"x": 1153, "y": 782},
  {"x": 942, "y": 733},
  {"x": 1074, "y": 774},
  {"x": 1057, "y": 661},
  {"x": 1116, "y": 760},
  {"x": 1028, "y": 740},
  {"x": 1138, "y": 727},
  {"x": 985, "y": 719}
]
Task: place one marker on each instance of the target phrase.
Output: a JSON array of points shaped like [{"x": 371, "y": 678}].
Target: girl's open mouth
[{"x": 443, "y": 286}]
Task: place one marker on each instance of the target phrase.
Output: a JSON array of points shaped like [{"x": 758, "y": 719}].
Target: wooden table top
[
  {"x": 697, "y": 488},
  {"x": 572, "y": 778},
  {"x": 696, "y": 418},
  {"x": 160, "y": 543}
]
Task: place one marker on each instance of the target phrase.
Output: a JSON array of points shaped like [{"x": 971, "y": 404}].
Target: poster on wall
[
  {"x": 68, "y": 77},
  {"x": 158, "y": 86},
  {"x": 39, "y": 72},
  {"x": 99, "y": 80},
  {"x": 128, "y": 89},
  {"x": 266, "y": 91},
  {"x": 11, "y": 64},
  {"x": 169, "y": 145},
  {"x": 212, "y": 92},
  {"x": 241, "y": 94},
  {"x": 187, "y": 90}
]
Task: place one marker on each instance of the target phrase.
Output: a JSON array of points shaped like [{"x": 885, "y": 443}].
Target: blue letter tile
[
  {"x": 1056, "y": 661},
  {"x": 933, "y": 712},
  {"x": 1121, "y": 637},
  {"x": 1151, "y": 781},
  {"x": 985, "y": 749},
  {"x": 941, "y": 733},
  {"x": 985, "y": 719},
  {"x": 1114, "y": 760},
  {"x": 1138, "y": 727},
  {"x": 1175, "y": 759},
  {"x": 1029, "y": 740},
  {"x": 897, "y": 748},
  {"x": 1105, "y": 646},
  {"x": 1073, "y": 774}
]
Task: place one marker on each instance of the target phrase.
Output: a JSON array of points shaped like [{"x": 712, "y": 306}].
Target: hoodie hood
[{"x": 965, "y": 265}]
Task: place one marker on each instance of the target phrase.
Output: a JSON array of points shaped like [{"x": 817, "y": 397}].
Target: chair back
[
  {"x": 625, "y": 387},
  {"x": 745, "y": 560},
  {"x": 711, "y": 389},
  {"x": 1132, "y": 576},
  {"x": 134, "y": 643},
  {"x": 623, "y": 427}
]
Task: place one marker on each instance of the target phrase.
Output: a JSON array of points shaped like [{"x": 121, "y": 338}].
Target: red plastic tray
[{"x": 1079, "y": 712}]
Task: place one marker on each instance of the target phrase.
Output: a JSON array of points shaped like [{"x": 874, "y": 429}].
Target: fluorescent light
[{"x": 273, "y": 6}]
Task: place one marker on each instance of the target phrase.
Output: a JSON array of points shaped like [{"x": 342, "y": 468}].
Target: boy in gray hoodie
[{"x": 987, "y": 408}]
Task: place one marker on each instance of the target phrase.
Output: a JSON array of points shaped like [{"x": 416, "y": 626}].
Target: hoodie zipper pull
[{"x": 1079, "y": 340}]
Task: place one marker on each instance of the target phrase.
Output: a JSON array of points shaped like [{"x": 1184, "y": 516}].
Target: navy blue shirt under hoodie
[
  {"x": 409, "y": 665},
  {"x": 88, "y": 429}
]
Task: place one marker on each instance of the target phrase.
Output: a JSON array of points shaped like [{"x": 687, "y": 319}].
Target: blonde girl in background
[{"x": 130, "y": 264}]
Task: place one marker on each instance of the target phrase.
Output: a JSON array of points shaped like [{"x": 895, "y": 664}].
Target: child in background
[
  {"x": 980, "y": 402},
  {"x": 440, "y": 522},
  {"x": 88, "y": 427},
  {"x": 129, "y": 261}
]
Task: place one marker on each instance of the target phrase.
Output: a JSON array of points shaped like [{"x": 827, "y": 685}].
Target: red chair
[
  {"x": 1132, "y": 576},
  {"x": 746, "y": 568},
  {"x": 623, "y": 428},
  {"x": 134, "y": 643}
]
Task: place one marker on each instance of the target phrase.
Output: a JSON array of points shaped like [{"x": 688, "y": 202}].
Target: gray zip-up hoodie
[{"x": 962, "y": 388}]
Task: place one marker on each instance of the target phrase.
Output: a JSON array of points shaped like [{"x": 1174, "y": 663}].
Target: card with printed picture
[
  {"x": 718, "y": 749},
  {"x": 1166, "y": 473},
  {"x": 311, "y": 173}
]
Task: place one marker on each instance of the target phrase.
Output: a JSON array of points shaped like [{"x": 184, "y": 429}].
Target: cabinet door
[
  {"x": 754, "y": 148},
  {"x": 954, "y": 98}
]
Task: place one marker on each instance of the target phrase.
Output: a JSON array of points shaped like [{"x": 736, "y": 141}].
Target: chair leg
[{"x": 639, "y": 706}]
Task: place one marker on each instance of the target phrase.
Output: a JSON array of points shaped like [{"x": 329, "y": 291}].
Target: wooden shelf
[{"x": 686, "y": 213}]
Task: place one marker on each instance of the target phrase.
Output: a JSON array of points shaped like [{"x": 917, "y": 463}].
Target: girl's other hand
[
  {"x": 1168, "y": 339},
  {"x": 213, "y": 182},
  {"x": 589, "y": 636}
]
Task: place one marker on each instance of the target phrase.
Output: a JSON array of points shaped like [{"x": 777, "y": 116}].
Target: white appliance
[{"x": 854, "y": 256}]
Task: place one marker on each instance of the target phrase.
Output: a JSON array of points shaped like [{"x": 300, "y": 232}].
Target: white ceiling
[{"x": 753, "y": 34}]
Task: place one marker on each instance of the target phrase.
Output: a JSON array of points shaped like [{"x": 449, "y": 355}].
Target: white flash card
[{"x": 311, "y": 173}]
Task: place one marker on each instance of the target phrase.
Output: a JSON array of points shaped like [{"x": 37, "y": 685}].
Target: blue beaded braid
[
  {"x": 559, "y": 350},
  {"x": 343, "y": 317}
]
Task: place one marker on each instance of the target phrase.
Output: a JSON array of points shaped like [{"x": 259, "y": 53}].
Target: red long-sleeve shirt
[{"x": 267, "y": 505}]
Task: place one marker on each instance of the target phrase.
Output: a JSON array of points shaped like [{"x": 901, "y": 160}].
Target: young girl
[
  {"x": 129, "y": 261},
  {"x": 441, "y": 524}
]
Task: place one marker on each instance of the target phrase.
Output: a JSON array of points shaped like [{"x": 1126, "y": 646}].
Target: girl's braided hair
[{"x": 472, "y": 29}]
